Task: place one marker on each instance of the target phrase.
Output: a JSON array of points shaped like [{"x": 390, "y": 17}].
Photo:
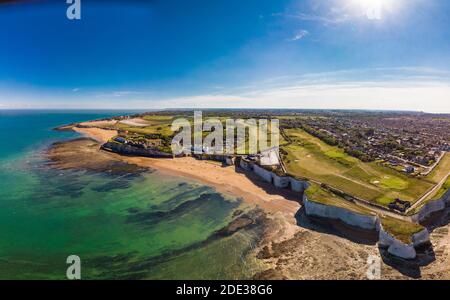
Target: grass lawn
[
  {"x": 155, "y": 119},
  {"x": 441, "y": 169},
  {"x": 163, "y": 128},
  {"x": 317, "y": 194},
  {"x": 309, "y": 157}
]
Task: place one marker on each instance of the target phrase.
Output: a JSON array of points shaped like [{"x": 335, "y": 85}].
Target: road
[
  {"x": 431, "y": 168},
  {"x": 429, "y": 193}
]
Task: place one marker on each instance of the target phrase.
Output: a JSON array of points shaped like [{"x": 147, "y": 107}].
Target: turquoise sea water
[{"x": 135, "y": 226}]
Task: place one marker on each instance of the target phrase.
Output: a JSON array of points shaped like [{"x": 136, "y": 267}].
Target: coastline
[
  {"x": 225, "y": 179},
  {"x": 288, "y": 249}
]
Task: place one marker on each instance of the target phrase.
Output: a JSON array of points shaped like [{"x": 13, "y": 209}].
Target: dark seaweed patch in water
[
  {"x": 181, "y": 197},
  {"x": 118, "y": 168},
  {"x": 73, "y": 189},
  {"x": 70, "y": 182},
  {"x": 148, "y": 218},
  {"x": 61, "y": 183},
  {"x": 113, "y": 185},
  {"x": 133, "y": 210},
  {"x": 131, "y": 266},
  {"x": 111, "y": 261}
]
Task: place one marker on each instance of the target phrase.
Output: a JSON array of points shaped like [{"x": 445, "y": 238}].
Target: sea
[{"x": 141, "y": 226}]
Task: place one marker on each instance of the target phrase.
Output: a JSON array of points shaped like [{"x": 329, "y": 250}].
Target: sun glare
[{"x": 374, "y": 9}]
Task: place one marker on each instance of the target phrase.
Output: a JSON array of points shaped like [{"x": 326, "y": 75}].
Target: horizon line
[{"x": 220, "y": 108}]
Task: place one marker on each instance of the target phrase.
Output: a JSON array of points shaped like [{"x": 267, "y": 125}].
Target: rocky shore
[{"x": 129, "y": 150}]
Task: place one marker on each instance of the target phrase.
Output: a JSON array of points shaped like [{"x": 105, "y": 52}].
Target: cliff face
[
  {"x": 229, "y": 161},
  {"x": 394, "y": 246},
  {"x": 431, "y": 207},
  {"x": 298, "y": 185},
  {"x": 401, "y": 249},
  {"x": 263, "y": 173},
  {"x": 421, "y": 238},
  {"x": 337, "y": 213},
  {"x": 281, "y": 181},
  {"x": 130, "y": 150},
  {"x": 271, "y": 177},
  {"x": 245, "y": 165}
]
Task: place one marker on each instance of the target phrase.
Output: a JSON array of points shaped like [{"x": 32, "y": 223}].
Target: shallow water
[{"x": 140, "y": 225}]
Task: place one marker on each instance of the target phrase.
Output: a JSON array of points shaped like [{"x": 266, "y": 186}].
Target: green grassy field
[
  {"x": 157, "y": 124},
  {"x": 156, "y": 119},
  {"x": 152, "y": 129},
  {"x": 309, "y": 157},
  {"x": 441, "y": 169},
  {"x": 317, "y": 194}
]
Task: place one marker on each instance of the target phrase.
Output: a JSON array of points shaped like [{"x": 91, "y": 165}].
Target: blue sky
[{"x": 363, "y": 54}]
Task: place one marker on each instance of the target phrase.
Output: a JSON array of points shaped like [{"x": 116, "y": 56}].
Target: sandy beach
[
  {"x": 100, "y": 135},
  {"x": 227, "y": 180}
]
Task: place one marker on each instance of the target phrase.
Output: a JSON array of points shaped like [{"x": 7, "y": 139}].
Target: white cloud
[
  {"x": 299, "y": 35},
  {"x": 328, "y": 19}
]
